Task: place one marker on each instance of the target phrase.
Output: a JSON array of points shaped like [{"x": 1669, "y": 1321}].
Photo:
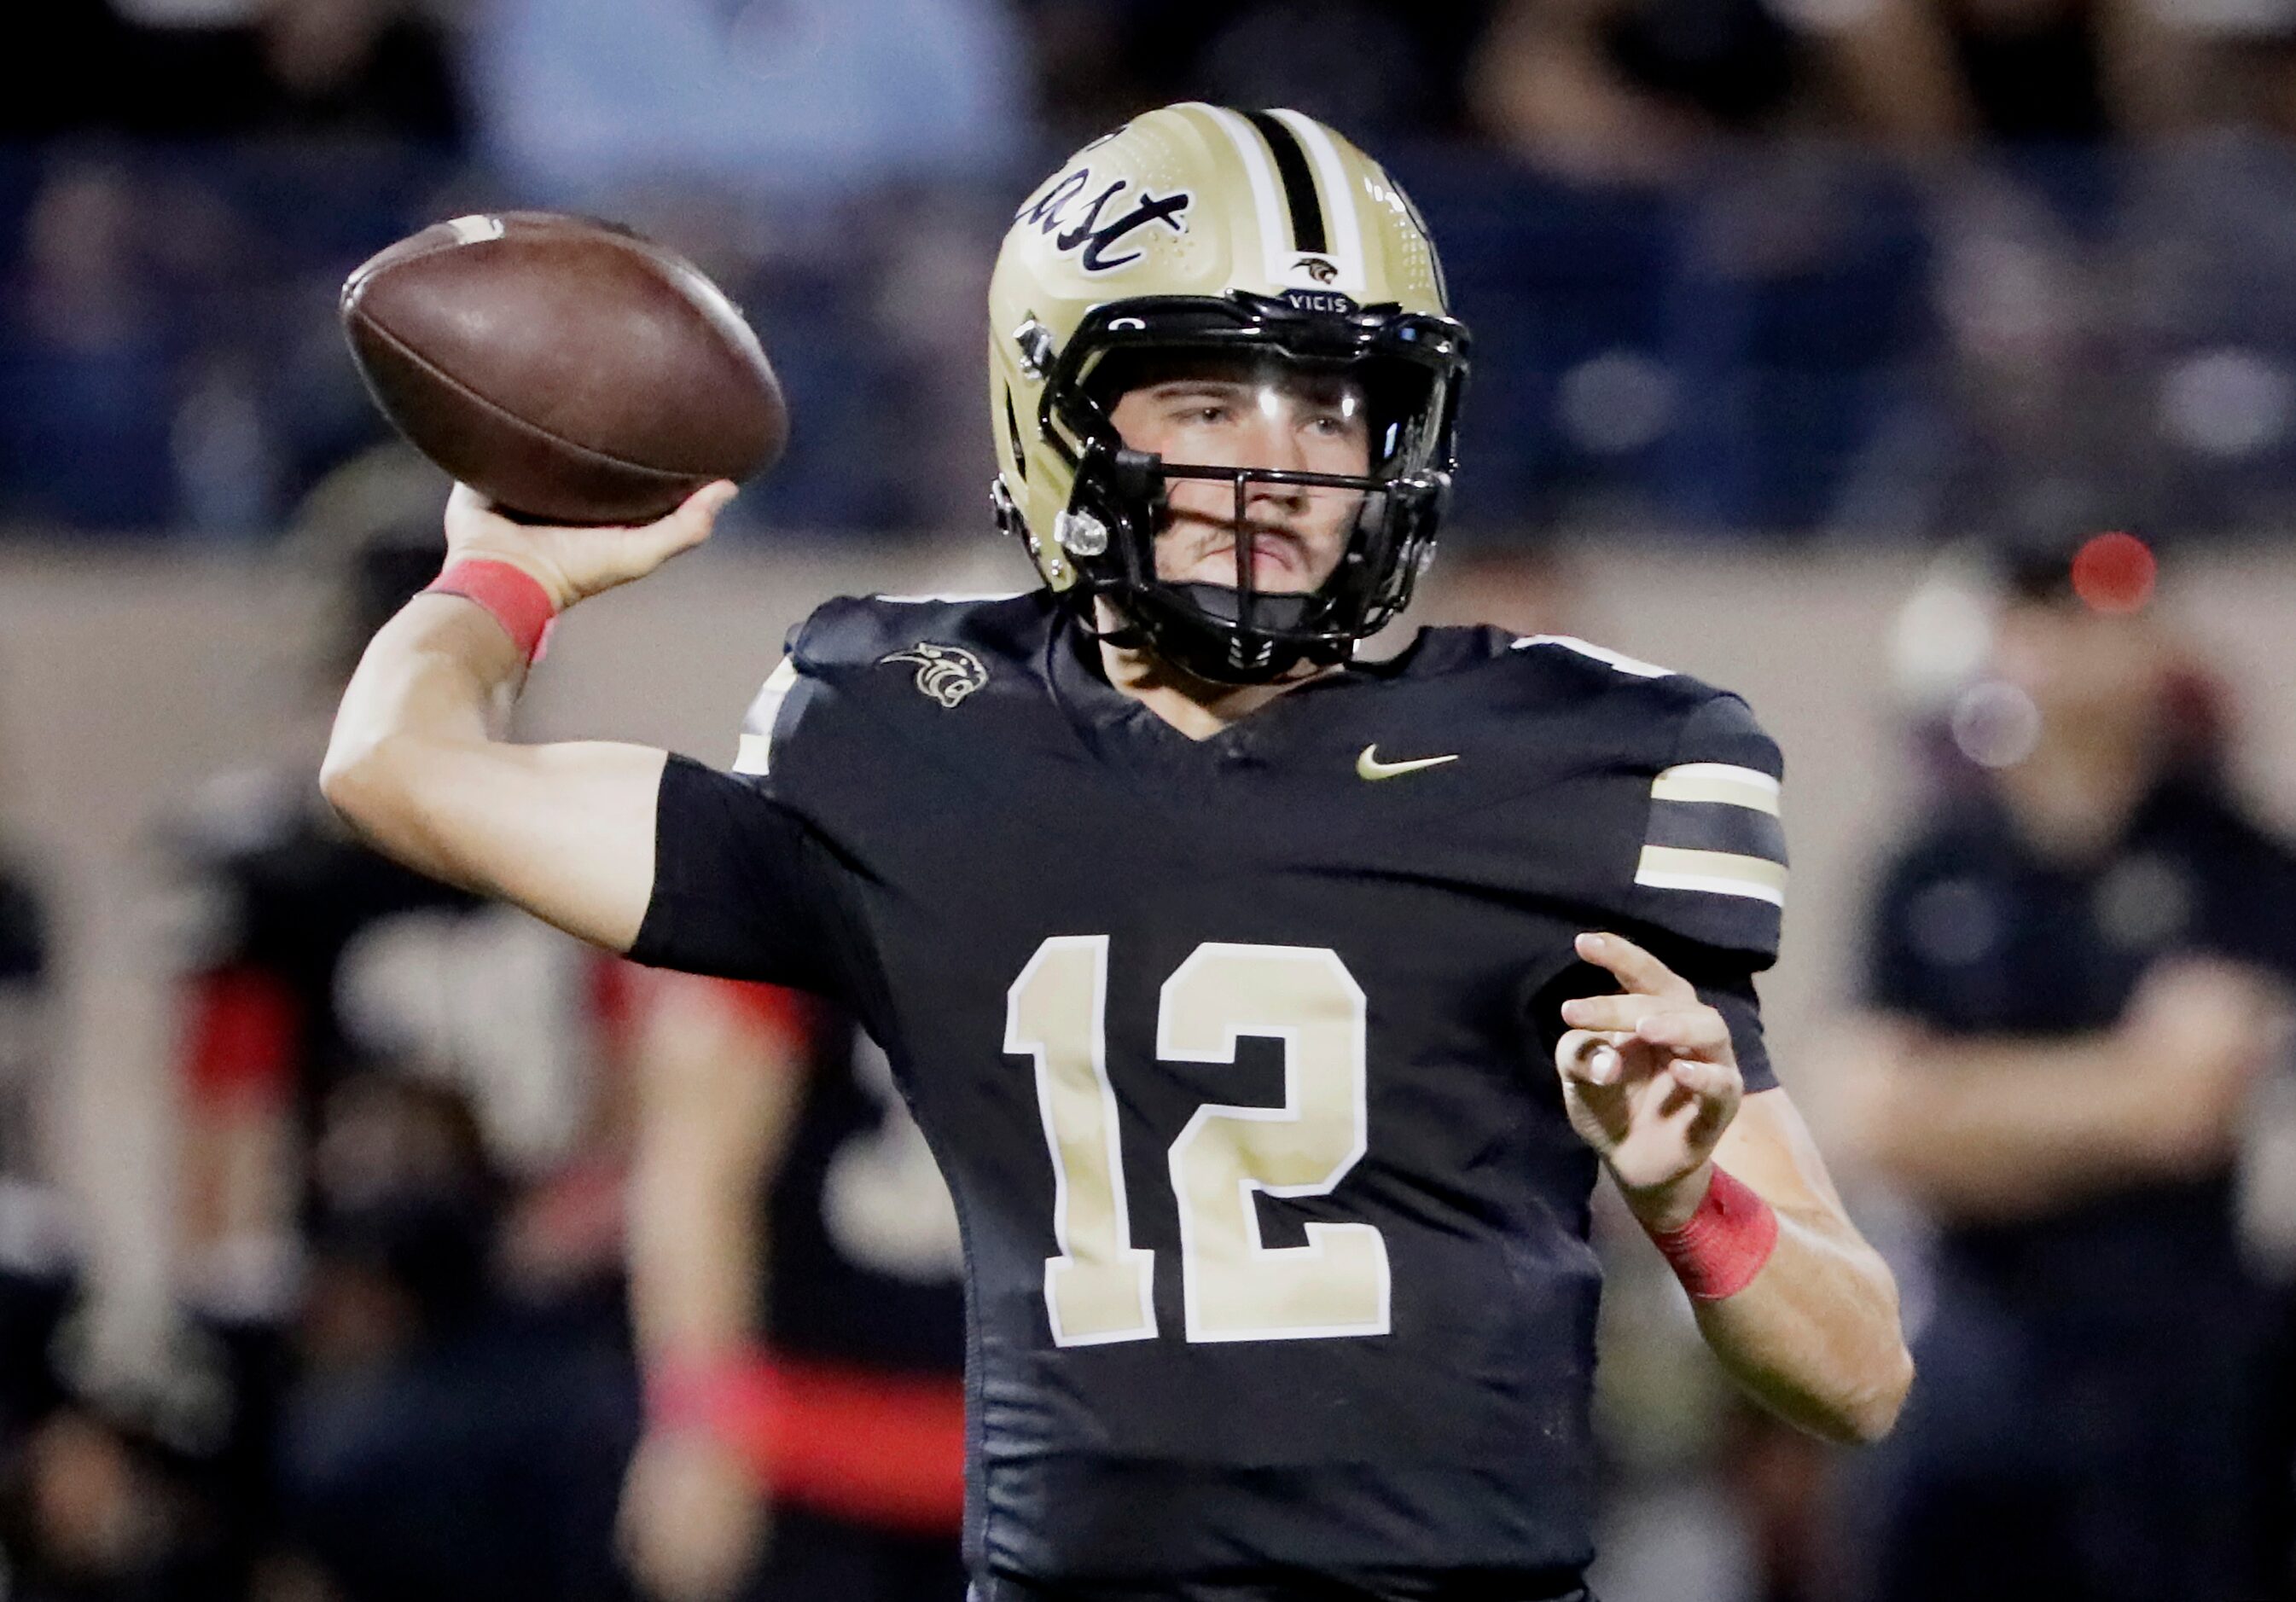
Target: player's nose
[
  {"x": 1272, "y": 438},
  {"x": 1270, "y": 499}
]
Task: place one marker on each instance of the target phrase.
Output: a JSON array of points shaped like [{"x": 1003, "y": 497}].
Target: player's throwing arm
[
  {"x": 417, "y": 763},
  {"x": 627, "y": 436},
  {"x": 1791, "y": 1300}
]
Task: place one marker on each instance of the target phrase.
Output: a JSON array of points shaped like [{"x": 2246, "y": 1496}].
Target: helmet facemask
[{"x": 1405, "y": 371}]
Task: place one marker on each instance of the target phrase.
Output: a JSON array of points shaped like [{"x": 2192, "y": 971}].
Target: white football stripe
[
  {"x": 1274, "y": 220},
  {"x": 1343, "y": 234},
  {"x": 1715, "y": 872},
  {"x": 755, "y": 757},
  {"x": 1723, "y": 783},
  {"x": 476, "y": 228}
]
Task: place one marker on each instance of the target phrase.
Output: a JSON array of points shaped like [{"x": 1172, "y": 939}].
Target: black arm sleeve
[{"x": 742, "y": 889}]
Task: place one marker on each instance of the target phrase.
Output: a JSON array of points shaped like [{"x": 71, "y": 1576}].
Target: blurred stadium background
[{"x": 1784, "y": 308}]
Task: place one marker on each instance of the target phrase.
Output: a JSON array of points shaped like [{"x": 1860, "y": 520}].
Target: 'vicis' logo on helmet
[
  {"x": 946, "y": 673},
  {"x": 1091, "y": 228}
]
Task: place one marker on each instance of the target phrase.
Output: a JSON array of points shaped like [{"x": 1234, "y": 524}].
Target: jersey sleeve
[
  {"x": 743, "y": 888},
  {"x": 1709, "y": 877},
  {"x": 1711, "y": 870}
]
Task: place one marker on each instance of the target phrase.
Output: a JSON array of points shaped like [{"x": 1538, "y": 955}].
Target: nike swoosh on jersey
[{"x": 1369, "y": 767}]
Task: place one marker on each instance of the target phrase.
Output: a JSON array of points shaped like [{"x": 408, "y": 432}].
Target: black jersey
[
  {"x": 1976, "y": 934},
  {"x": 308, "y": 959},
  {"x": 865, "y": 1257},
  {"x": 1236, "y": 1055}
]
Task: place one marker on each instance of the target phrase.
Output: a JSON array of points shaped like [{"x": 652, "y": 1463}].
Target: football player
[
  {"x": 1270, "y": 1012},
  {"x": 794, "y": 1268}
]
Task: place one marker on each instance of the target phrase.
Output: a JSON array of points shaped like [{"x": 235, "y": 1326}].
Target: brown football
[{"x": 569, "y": 370}]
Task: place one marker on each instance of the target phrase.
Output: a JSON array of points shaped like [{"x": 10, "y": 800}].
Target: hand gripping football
[{"x": 569, "y": 370}]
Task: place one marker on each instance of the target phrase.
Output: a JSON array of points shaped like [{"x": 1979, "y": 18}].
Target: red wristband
[
  {"x": 885, "y": 1448},
  {"x": 513, "y": 597},
  {"x": 688, "y": 1394},
  {"x": 1724, "y": 1244}
]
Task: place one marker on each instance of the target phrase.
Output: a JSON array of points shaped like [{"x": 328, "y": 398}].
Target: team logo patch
[
  {"x": 1091, "y": 229},
  {"x": 946, "y": 672},
  {"x": 1317, "y": 269}
]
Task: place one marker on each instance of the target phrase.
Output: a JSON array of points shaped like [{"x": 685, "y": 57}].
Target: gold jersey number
[{"x": 1099, "y": 1287}]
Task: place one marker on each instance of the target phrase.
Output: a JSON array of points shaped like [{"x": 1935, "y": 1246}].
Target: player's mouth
[{"x": 1279, "y": 560}]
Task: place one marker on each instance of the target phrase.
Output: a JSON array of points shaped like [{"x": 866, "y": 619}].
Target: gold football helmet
[{"x": 1197, "y": 231}]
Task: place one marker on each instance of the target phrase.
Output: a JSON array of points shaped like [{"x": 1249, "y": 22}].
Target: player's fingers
[
  {"x": 1708, "y": 1081},
  {"x": 1621, "y": 1013},
  {"x": 470, "y": 514},
  {"x": 1588, "y": 1058},
  {"x": 1697, "y": 1030},
  {"x": 693, "y": 521},
  {"x": 1635, "y": 968}
]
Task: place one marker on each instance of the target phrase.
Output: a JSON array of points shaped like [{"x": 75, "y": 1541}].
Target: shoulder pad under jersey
[{"x": 948, "y": 645}]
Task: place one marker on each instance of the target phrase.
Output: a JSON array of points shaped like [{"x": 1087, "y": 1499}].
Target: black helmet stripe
[{"x": 1298, "y": 184}]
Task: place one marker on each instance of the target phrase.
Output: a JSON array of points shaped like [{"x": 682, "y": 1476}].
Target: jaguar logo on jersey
[
  {"x": 946, "y": 673},
  {"x": 1091, "y": 229}
]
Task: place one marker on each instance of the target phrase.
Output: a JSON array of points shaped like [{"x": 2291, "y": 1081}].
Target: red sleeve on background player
[
  {"x": 241, "y": 1037},
  {"x": 787, "y": 1015},
  {"x": 626, "y": 992}
]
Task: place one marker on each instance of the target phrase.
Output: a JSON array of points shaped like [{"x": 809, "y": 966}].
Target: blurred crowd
[{"x": 1750, "y": 268}]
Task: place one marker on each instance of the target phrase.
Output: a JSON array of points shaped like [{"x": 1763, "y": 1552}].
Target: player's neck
[{"x": 1197, "y": 707}]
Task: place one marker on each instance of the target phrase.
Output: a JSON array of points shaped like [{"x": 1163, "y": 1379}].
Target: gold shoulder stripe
[
  {"x": 1715, "y": 872},
  {"x": 1718, "y": 781}
]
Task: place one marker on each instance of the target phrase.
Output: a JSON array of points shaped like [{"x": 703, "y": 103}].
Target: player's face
[
  {"x": 1269, "y": 416},
  {"x": 2085, "y": 671}
]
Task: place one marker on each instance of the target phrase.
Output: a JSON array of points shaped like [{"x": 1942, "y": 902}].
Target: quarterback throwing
[{"x": 1278, "y": 1013}]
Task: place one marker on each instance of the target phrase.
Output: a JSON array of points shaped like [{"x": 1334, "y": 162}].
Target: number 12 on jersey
[{"x": 1100, "y": 1287}]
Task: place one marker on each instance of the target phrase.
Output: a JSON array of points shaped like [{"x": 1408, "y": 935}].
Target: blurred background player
[
  {"x": 407, "y": 1117},
  {"x": 2079, "y": 966},
  {"x": 794, "y": 1264},
  {"x": 399, "y": 1163}
]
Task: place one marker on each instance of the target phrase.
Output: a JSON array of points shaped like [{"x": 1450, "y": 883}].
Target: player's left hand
[{"x": 1650, "y": 1079}]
